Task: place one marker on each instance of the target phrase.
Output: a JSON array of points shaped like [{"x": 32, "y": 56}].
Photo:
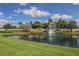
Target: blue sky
[{"x": 17, "y": 12}]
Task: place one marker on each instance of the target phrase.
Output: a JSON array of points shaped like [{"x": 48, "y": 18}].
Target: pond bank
[{"x": 16, "y": 47}]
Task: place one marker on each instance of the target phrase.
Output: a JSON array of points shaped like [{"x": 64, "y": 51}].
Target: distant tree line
[{"x": 61, "y": 24}]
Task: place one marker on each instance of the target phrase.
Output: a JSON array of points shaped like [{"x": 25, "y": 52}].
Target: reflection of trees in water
[
  {"x": 59, "y": 40},
  {"x": 78, "y": 42},
  {"x": 37, "y": 38},
  {"x": 24, "y": 37},
  {"x": 63, "y": 40}
]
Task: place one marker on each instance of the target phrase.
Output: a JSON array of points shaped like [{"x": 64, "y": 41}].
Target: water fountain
[{"x": 50, "y": 30}]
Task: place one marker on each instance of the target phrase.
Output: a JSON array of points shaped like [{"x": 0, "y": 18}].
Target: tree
[
  {"x": 61, "y": 24},
  {"x": 14, "y": 27},
  {"x": 45, "y": 25},
  {"x": 7, "y": 26},
  {"x": 49, "y": 20},
  {"x": 71, "y": 25},
  {"x": 21, "y": 25},
  {"x": 30, "y": 22},
  {"x": 37, "y": 25},
  {"x": 24, "y": 25}
]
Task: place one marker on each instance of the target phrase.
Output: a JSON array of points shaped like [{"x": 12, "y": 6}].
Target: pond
[{"x": 62, "y": 40}]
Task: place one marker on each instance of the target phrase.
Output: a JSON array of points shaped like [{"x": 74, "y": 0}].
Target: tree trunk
[
  {"x": 71, "y": 30},
  {"x": 71, "y": 33}
]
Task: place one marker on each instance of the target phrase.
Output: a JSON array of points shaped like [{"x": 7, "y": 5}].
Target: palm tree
[
  {"x": 71, "y": 25},
  {"x": 61, "y": 24}
]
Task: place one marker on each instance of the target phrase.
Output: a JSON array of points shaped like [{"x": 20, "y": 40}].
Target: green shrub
[{"x": 6, "y": 31}]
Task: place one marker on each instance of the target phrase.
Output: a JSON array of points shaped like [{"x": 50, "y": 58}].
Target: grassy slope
[{"x": 21, "y": 47}]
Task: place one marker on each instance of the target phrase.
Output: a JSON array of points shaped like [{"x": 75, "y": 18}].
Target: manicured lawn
[{"x": 10, "y": 47}]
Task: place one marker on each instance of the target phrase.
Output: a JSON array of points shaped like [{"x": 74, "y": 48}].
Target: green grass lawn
[{"x": 10, "y": 47}]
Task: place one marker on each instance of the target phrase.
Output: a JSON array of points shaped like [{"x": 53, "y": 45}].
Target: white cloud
[
  {"x": 23, "y": 4},
  {"x": 39, "y": 20},
  {"x": 10, "y": 17},
  {"x": 77, "y": 22},
  {"x": 17, "y": 10},
  {"x": 56, "y": 17},
  {"x": 3, "y": 22},
  {"x": 11, "y": 21},
  {"x": 66, "y": 16},
  {"x": 75, "y": 3},
  {"x": 7, "y": 21},
  {"x": 1, "y": 13},
  {"x": 33, "y": 11},
  {"x": 1, "y": 25}
]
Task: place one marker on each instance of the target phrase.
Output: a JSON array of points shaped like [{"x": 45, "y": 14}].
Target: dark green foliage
[
  {"x": 61, "y": 24},
  {"x": 7, "y": 26},
  {"x": 37, "y": 25}
]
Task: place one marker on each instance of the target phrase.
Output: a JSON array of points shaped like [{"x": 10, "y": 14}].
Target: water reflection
[
  {"x": 77, "y": 42},
  {"x": 63, "y": 40}
]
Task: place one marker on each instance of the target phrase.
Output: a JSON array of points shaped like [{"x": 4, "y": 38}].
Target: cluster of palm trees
[{"x": 62, "y": 24}]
